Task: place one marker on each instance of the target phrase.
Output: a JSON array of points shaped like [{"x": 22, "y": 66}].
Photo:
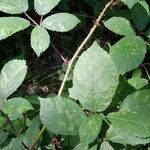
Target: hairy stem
[
  {"x": 96, "y": 24},
  {"x": 30, "y": 19},
  {"x": 41, "y": 20}
]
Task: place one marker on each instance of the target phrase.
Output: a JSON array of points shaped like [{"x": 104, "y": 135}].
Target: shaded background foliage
[{"x": 44, "y": 72}]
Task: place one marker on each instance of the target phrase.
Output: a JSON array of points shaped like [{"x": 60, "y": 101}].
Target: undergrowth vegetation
[{"x": 74, "y": 75}]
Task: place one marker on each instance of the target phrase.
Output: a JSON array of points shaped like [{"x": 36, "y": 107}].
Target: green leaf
[
  {"x": 123, "y": 90},
  {"x": 71, "y": 141},
  {"x": 90, "y": 129},
  {"x": 14, "y": 6},
  {"x": 44, "y": 7},
  {"x": 120, "y": 26},
  {"x": 95, "y": 79},
  {"x": 61, "y": 115},
  {"x": 137, "y": 102},
  {"x": 40, "y": 40},
  {"x": 135, "y": 123},
  {"x": 130, "y": 3},
  {"x": 60, "y": 22},
  {"x": 18, "y": 124},
  {"x": 125, "y": 13},
  {"x": 33, "y": 99},
  {"x": 137, "y": 82},
  {"x": 11, "y": 25},
  {"x": 80, "y": 146},
  {"x": 119, "y": 135},
  {"x": 15, "y": 144},
  {"x": 134, "y": 113},
  {"x": 2, "y": 121},
  {"x": 128, "y": 53},
  {"x": 11, "y": 77},
  {"x": 137, "y": 73},
  {"x": 140, "y": 16},
  {"x": 94, "y": 147},
  {"x": 3, "y": 137},
  {"x": 15, "y": 107},
  {"x": 32, "y": 131},
  {"x": 106, "y": 146},
  {"x": 148, "y": 33},
  {"x": 145, "y": 5}
]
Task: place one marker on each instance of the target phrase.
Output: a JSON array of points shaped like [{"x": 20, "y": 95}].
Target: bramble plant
[
  {"x": 56, "y": 22},
  {"x": 107, "y": 105}
]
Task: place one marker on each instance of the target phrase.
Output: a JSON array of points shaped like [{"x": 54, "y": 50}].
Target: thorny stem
[
  {"x": 30, "y": 19},
  {"x": 96, "y": 24}
]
